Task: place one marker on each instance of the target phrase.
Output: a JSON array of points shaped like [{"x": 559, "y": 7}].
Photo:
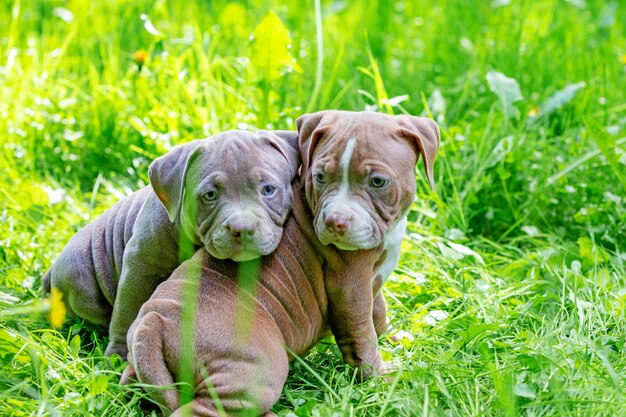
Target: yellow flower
[
  {"x": 534, "y": 112},
  {"x": 57, "y": 308},
  {"x": 141, "y": 57}
]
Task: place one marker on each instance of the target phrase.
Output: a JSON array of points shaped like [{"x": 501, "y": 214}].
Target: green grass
[{"x": 513, "y": 273}]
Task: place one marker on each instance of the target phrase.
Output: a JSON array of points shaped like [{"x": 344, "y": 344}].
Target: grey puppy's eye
[
  {"x": 378, "y": 182},
  {"x": 268, "y": 190},
  {"x": 319, "y": 177},
  {"x": 210, "y": 195}
]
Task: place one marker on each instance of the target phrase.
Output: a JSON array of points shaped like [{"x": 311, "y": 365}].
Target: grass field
[{"x": 513, "y": 276}]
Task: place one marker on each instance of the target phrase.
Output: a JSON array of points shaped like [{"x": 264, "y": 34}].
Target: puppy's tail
[
  {"x": 45, "y": 283},
  {"x": 148, "y": 362}
]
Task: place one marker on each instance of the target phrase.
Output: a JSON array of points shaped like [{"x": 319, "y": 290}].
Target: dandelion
[
  {"x": 57, "y": 308},
  {"x": 141, "y": 57},
  {"x": 534, "y": 112}
]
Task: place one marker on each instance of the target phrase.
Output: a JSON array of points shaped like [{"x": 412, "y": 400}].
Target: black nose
[
  {"x": 337, "y": 223},
  {"x": 242, "y": 229}
]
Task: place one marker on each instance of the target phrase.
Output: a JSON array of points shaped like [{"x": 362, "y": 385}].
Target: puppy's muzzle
[
  {"x": 241, "y": 229},
  {"x": 338, "y": 223}
]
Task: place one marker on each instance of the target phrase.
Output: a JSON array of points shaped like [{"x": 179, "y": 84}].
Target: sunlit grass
[{"x": 513, "y": 276}]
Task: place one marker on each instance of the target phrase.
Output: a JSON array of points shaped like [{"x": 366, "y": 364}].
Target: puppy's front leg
[
  {"x": 150, "y": 256},
  {"x": 348, "y": 283},
  {"x": 137, "y": 283}
]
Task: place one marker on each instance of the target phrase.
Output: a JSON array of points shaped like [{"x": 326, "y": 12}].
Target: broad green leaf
[
  {"x": 590, "y": 251},
  {"x": 560, "y": 98},
  {"x": 462, "y": 249},
  {"x": 10, "y": 346},
  {"x": 507, "y": 89},
  {"x": 270, "y": 48},
  {"x": 450, "y": 253},
  {"x": 475, "y": 330},
  {"x": 99, "y": 384},
  {"x": 525, "y": 391},
  {"x": 306, "y": 409},
  {"x": 8, "y": 343},
  {"x": 75, "y": 346},
  {"x": 606, "y": 144}
]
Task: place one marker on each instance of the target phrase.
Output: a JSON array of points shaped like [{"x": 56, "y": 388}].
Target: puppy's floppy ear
[
  {"x": 285, "y": 142},
  {"x": 424, "y": 133},
  {"x": 167, "y": 177},
  {"x": 310, "y": 130}
]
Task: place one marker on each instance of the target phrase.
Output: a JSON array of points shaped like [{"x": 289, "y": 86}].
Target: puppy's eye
[
  {"x": 268, "y": 190},
  {"x": 210, "y": 195},
  {"x": 378, "y": 182},
  {"x": 319, "y": 177}
]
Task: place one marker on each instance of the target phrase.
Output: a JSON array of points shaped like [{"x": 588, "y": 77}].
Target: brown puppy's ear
[
  {"x": 424, "y": 133},
  {"x": 285, "y": 142},
  {"x": 309, "y": 132},
  {"x": 167, "y": 177}
]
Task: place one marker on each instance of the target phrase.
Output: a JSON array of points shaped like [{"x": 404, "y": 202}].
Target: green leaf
[
  {"x": 476, "y": 330},
  {"x": 75, "y": 346},
  {"x": 306, "y": 409},
  {"x": 12, "y": 348},
  {"x": 590, "y": 251},
  {"x": 561, "y": 98},
  {"x": 99, "y": 384},
  {"x": 606, "y": 144},
  {"x": 8, "y": 343},
  {"x": 464, "y": 250},
  {"x": 507, "y": 89},
  {"x": 270, "y": 48},
  {"x": 525, "y": 391}
]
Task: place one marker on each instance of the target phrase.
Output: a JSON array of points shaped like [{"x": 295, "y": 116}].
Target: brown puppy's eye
[
  {"x": 378, "y": 182},
  {"x": 210, "y": 195},
  {"x": 319, "y": 177}
]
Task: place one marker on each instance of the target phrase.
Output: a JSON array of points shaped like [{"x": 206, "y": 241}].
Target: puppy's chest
[{"x": 393, "y": 246}]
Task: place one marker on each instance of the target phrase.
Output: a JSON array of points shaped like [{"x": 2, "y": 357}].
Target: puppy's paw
[
  {"x": 385, "y": 371},
  {"x": 381, "y": 370},
  {"x": 114, "y": 348},
  {"x": 128, "y": 376}
]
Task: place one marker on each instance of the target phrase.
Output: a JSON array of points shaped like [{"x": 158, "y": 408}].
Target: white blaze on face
[
  {"x": 360, "y": 234},
  {"x": 344, "y": 165}
]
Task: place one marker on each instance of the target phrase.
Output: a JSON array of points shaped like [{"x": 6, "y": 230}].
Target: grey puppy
[{"x": 230, "y": 193}]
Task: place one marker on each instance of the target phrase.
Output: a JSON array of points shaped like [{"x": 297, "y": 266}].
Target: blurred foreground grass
[{"x": 513, "y": 275}]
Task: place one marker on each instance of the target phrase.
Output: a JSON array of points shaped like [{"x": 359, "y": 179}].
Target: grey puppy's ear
[
  {"x": 424, "y": 133},
  {"x": 167, "y": 177},
  {"x": 285, "y": 142}
]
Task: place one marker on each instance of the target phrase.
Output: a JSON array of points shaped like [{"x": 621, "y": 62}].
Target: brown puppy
[
  {"x": 316, "y": 280},
  {"x": 359, "y": 182}
]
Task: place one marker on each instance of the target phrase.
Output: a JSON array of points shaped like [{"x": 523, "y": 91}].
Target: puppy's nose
[
  {"x": 240, "y": 229},
  {"x": 337, "y": 223}
]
